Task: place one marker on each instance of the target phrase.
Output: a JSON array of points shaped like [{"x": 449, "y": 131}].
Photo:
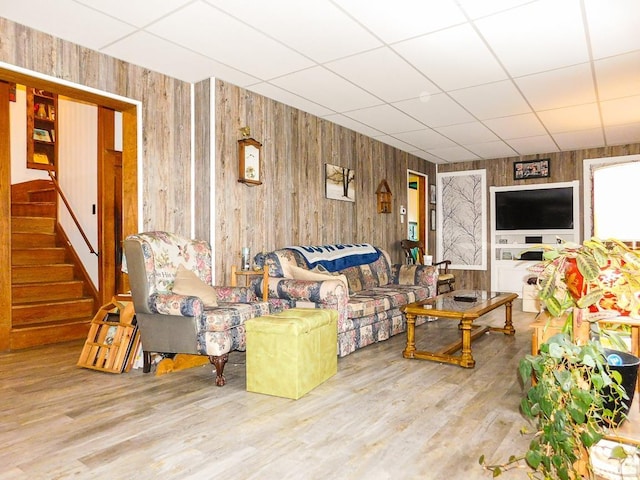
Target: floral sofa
[
  {"x": 196, "y": 318},
  {"x": 368, "y": 305}
]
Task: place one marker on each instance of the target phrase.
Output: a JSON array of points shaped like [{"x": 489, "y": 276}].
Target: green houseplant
[{"x": 573, "y": 388}]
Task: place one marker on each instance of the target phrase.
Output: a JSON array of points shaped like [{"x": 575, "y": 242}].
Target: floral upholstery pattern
[
  {"x": 371, "y": 312},
  {"x": 219, "y": 329}
]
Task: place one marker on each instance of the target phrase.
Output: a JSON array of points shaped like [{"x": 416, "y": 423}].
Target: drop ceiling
[{"x": 445, "y": 80}]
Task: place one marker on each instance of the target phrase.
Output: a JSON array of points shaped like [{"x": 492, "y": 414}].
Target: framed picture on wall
[
  {"x": 413, "y": 231},
  {"x": 432, "y": 221},
  {"x": 533, "y": 169},
  {"x": 432, "y": 194}
]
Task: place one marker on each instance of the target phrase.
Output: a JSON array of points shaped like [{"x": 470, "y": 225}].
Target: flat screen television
[{"x": 535, "y": 209}]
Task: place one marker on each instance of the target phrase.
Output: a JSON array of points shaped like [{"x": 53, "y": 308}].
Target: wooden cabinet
[{"x": 42, "y": 129}]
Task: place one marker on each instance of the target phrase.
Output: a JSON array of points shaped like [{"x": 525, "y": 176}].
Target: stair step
[
  {"x": 42, "y": 273},
  {"x": 27, "y": 240},
  {"x": 37, "y": 256},
  {"x": 33, "y": 224},
  {"x": 43, "y": 195},
  {"x": 27, "y": 336},
  {"x": 33, "y": 209},
  {"x": 37, "y": 313},
  {"x": 33, "y": 292}
]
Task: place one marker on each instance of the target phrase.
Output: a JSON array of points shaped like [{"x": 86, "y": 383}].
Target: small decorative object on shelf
[
  {"x": 246, "y": 258},
  {"x": 249, "y": 159},
  {"x": 384, "y": 197}
]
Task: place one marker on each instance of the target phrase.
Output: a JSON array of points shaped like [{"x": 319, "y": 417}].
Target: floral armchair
[{"x": 181, "y": 323}]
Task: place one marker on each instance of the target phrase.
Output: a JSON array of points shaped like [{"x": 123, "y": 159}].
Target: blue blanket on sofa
[{"x": 337, "y": 257}]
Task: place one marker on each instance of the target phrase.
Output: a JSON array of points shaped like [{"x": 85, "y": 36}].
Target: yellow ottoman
[{"x": 290, "y": 353}]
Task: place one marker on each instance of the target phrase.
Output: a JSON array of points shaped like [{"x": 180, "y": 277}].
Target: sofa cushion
[
  {"x": 379, "y": 299},
  {"x": 188, "y": 283}
]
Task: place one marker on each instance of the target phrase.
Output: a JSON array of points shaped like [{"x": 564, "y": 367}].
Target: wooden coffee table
[{"x": 449, "y": 306}]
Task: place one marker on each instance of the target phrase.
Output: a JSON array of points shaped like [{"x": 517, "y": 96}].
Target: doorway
[
  {"x": 120, "y": 186},
  {"x": 417, "y": 207}
]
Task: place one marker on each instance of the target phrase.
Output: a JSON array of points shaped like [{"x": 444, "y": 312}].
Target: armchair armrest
[
  {"x": 443, "y": 266},
  {"x": 174, "y": 304},
  {"x": 226, "y": 294}
]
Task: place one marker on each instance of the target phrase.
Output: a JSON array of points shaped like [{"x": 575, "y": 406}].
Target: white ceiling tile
[
  {"x": 492, "y": 100},
  {"x": 613, "y": 26},
  {"x": 401, "y": 19},
  {"x": 352, "y": 124},
  {"x": 288, "y": 98},
  {"x": 453, "y": 58},
  {"x": 454, "y": 154},
  {"x": 326, "y": 88},
  {"x": 394, "y": 142},
  {"x": 427, "y": 156},
  {"x": 171, "y": 59},
  {"x": 383, "y": 73},
  {"x": 476, "y": 9},
  {"x": 385, "y": 118},
  {"x": 516, "y": 126},
  {"x": 538, "y": 36},
  {"x": 491, "y": 150},
  {"x": 618, "y": 76},
  {"x": 135, "y": 12},
  {"x": 468, "y": 133},
  {"x": 425, "y": 139},
  {"x": 621, "y": 111},
  {"x": 211, "y": 32},
  {"x": 559, "y": 88},
  {"x": 68, "y": 20},
  {"x": 320, "y": 29},
  {"x": 622, "y": 134},
  {"x": 579, "y": 139},
  {"x": 579, "y": 117},
  {"x": 533, "y": 145},
  {"x": 435, "y": 110}
]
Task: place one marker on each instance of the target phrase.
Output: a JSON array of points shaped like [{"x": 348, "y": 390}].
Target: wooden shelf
[{"x": 42, "y": 129}]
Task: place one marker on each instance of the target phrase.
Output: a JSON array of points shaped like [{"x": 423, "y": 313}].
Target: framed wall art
[
  {"x": 462, "y": 219},
  {"x": 338, "y": 183},
  {"x": 531, "y": 169}
]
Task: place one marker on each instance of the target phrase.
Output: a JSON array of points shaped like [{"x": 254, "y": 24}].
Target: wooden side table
[{"x": 264, "y": 273}]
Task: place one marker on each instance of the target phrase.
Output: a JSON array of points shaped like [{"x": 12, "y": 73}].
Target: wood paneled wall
[
  {"x": 165, "y": 114},
  {"x": 290, "y": 207},
  {"x": 565, "y": 167}
]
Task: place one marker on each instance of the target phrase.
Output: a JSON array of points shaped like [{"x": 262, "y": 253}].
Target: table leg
[
  {"x": 466, "y": 359},
  {"x": 411, "y": 339},
  {"x": 508, "y": 323}
]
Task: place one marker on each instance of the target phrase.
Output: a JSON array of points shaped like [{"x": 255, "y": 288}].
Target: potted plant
[
  {"x": 566, "y": 405},
  {"x": 574, "y": 391}
]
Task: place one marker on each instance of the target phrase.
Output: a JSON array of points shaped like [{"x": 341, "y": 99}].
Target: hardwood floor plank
[{"x": 380, "y": 417}]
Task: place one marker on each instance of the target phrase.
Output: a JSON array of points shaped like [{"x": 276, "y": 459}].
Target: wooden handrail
[{"x": 56, "y": 185}]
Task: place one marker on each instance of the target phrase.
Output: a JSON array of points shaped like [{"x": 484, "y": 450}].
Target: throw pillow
[
  {"x": 299, "y": 273},
  {"x": 188, "y": 283}
]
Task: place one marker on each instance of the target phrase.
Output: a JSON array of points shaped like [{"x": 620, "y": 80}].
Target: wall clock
[{"x": 250, "y": 171}]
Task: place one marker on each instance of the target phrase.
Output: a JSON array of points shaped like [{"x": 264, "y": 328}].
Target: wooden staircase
[{"x": 51, "y": 301}]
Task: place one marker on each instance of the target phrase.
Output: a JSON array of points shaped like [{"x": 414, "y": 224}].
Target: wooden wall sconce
[{"x": 384, "y": 197}]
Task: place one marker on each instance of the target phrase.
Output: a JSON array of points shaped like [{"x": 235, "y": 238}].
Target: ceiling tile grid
[{"x": 446, "y": 80}]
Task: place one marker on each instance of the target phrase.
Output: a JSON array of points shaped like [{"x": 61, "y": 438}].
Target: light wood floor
[{"x": 381, "y": 417}]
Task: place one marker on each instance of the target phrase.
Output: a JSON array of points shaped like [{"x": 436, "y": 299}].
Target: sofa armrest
[
  {"x": 314, "y": 291},
  {"x": 174, "y": 304},
  {"x": 426, "y": 275}
]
